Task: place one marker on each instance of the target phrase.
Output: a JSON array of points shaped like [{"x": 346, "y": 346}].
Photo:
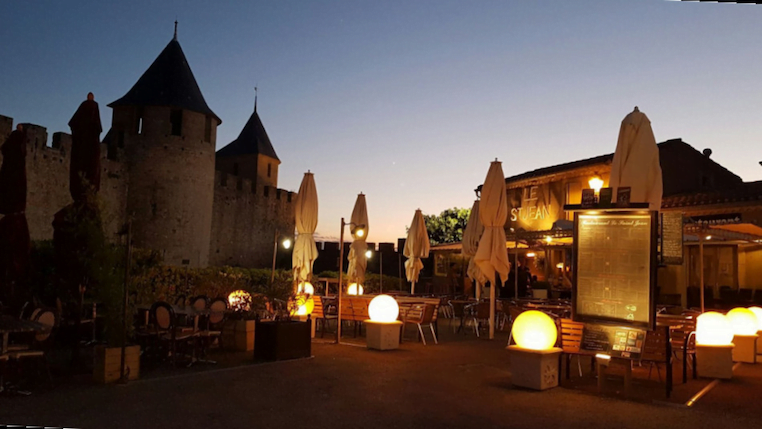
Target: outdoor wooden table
[{"x": 9, "y": 324}]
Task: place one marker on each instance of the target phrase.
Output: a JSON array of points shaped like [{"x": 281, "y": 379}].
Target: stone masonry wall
[
  {"x": 244, "y": 221},
  {"x": 47, "y": 170}
]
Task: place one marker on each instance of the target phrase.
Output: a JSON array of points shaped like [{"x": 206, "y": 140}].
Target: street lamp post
[
  {"x": 360, "y": 231},
  {"x": 286, "y": 245}
]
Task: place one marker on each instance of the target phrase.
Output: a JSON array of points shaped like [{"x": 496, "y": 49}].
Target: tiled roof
[
  {"x": 745, "y": 192},
  {"x": 169, "y": 82}
]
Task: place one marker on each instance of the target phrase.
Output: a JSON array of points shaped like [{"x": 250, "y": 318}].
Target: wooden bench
[{"x": 319, "y": 311}]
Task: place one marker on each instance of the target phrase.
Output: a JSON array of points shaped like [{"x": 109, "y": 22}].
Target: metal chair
[
  {"x": 41, "y": 340},
  {"x": 422, "y": 315},
  {"x": 167, "y": 330}
]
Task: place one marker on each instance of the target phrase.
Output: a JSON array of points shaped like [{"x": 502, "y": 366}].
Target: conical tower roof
[
  {"x": 253, "y": 140},
  {"x": 169, "y": 82}
]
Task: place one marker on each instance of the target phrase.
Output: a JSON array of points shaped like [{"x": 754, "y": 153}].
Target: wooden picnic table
[{"x": 10, "y": 324}]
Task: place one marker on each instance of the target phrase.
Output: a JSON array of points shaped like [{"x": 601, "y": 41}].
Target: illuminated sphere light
[
  {"x": 287, "y": 244},
  {"x": 713, "y": 329},
  {"x": 306, "y": 308},
  {"x": 306, "y": 288},
  {"x": 743, "y": 321},
  {"x": 757, "y": 312},
  {"x": 354, "y": 289},
  {"x": 240, "y": 300},
  {"x": 534, "y": 330},
  {"x": 383, "y": 308}
]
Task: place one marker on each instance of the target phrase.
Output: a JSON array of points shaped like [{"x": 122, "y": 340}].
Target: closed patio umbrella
[
  {"x": 357, "y": 260},
  {"x": 636, "y": 161},
  {"x": 491, "y": 256},
  {"x": 416, "y": 247},
  {"x": 306, "y": 216},
  {"x": 471, "y": 235}
]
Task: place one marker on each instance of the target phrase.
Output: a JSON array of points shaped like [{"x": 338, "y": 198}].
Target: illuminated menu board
[{"x": 615, "y": 267}]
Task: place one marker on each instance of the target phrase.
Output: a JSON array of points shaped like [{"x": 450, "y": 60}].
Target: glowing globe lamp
[
  {"x": 743, "y": 321},
  {"x": 384, "y": 309},
  {"x": 239, "y": 300},
  {"x": 306, "y": 308},
  {"x": 534, "y": 330},
  {"x": 354, "y": 289},
  {"x": 757, "y": 312},
  {"x": 306, "y": 288},
  {"x": 713, "y": 329}
]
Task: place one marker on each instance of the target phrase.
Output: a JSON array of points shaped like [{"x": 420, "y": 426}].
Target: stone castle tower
[
  {"x": 251, "y": 155},
  {"x": 168, "y": 134}
]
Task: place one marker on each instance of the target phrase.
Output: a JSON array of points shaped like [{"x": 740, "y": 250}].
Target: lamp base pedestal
[
  {"x": 745, "y": 349},
  {"x": 534, "y": 369},
  {"x": 382, "y": 335},
  {"x": 714, "y": 361}
]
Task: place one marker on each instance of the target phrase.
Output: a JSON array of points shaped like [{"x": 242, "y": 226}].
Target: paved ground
[{"x": 462, "y": 383}]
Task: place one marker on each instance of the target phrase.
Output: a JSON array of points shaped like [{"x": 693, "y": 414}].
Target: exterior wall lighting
[
  {"x": 287, "y": 243},
  {"x": 383, "y": 309},
  {"x": 355, "y": 289},
  {"x": 596, "y": 183},
  {"x": 708, "y": 237},
  {"x": 560, "y": 265},
  {"x": 531, "y": 255},
  {"x": 548, "y": 239},
  {"x": 368, "y": 254}
]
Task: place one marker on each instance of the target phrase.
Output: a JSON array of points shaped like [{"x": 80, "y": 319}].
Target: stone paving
[{"x": 464, "y": 382}]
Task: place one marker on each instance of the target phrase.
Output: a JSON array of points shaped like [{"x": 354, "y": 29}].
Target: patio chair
[
  {"x": 324, "y": 311},
  {"x": 180, "y": 300},
  {"x": 683, "y": 340},
  {"x": 213, "y": 325},
  {"x": 657, "y": 350},
  {"x": 571, "y": 340},
  {"x": 200, "y": 302},
  {"x": 36, "y": 352},
  {"x": 513, "y": 312},
  {"x": 480, "y": 313},
  {"x": 422, "y": 315},
  {"x": 167, "y": 329}
]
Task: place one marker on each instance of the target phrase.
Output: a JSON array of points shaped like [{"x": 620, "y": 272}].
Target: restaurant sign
[{"x": 537, "y": 207}]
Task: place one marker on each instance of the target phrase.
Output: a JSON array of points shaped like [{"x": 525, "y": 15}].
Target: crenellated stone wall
[{"x": 245, "y": 218}]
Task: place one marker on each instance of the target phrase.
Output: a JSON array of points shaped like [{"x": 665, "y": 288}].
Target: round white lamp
[
  {"x": 383, "y": 309},
  {"x": 535, "y": 330},
  {"x": 355, "y": 289},
  {"x": 382, "y": 331},
  {"x": 714, "y": 349},
  {"x": 534, "y": 359},
  {"x": 306, "y": 288},
  {"x": 744, "y": 323}
]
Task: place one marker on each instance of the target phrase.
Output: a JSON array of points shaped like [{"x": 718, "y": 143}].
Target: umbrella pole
[
  {"x": 412, "y": 287},
  {"x": 516, "y": 268},
  {"x": 701, "y": 267},
  {"x": 341, "y": 278},
  {"x": 492, "y": 309}
]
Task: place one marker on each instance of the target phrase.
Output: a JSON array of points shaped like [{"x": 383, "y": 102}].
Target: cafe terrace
[{"x": 720, "y": 211}]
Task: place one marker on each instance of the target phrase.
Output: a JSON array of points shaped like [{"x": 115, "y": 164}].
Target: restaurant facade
[{"x": 721, "y": 214}]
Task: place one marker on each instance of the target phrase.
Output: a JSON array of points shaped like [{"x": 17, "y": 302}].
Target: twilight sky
[{"x": 409, "y": 101}]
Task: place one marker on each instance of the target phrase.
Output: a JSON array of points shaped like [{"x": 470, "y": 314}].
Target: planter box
[
  {"x": 282, "y": 340},
  {"x": 108, "y": 363},
  {"x": 239, "y": 335}
]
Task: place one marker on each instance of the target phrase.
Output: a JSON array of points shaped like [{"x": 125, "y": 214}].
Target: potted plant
[
  {"x": 282, "y": 337},
  {"x": 238, "y": 332}
]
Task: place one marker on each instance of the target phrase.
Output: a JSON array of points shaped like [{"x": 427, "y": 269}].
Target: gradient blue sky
[{"x": 409, "y": 101}]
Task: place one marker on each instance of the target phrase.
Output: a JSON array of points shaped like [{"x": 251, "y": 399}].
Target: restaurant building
[{"x": 721, "y": 212}]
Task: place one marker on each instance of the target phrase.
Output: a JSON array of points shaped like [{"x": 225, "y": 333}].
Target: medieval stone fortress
[{"x": 159, "y": 169}]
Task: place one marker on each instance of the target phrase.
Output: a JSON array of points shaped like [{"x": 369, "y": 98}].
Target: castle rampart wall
[{"x": 245, "y": 219}]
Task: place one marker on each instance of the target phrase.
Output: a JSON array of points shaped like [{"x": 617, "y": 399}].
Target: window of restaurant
[{"x": 720, "y": 266}]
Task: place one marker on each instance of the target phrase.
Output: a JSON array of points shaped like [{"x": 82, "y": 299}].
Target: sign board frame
[
  {"x": 650, "y": 324},
  {"x": 665, "y": 236}
]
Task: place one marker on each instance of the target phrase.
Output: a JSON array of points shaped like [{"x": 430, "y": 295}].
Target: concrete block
[
  {"x": 714, "y": 361},
  {"x": 745, "y": 349},
  {"x": 382, "y": 335},
  {"x": 534, "y": 369}
]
